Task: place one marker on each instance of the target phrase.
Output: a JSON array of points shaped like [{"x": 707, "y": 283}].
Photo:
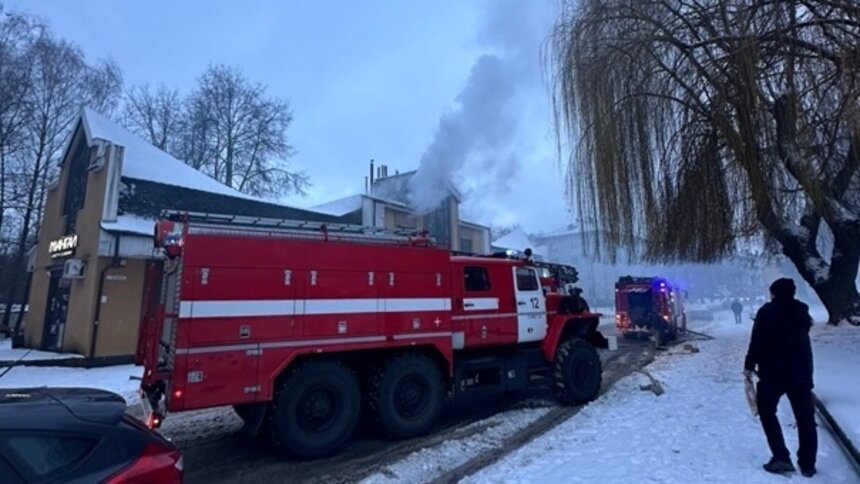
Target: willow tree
[{"x": 702, "y": 126}]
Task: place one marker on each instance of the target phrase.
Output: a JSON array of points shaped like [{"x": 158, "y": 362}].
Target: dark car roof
[{"x": 26, "y": 406}]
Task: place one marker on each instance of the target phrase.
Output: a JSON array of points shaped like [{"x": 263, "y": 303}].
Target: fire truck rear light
[
  {"x": 153, "y": 422},
  {"x": 177, "y": 394}
]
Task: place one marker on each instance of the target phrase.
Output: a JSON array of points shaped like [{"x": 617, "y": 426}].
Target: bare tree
[
  {"x": 227, "y": 127},
  {"x": 244, "y": 131},
  {"x": 16, "y": 34},
  {"x": 702, "y": 125},
  {"x": 157, "y": 115},
  {"x": 60, "y": 82}
]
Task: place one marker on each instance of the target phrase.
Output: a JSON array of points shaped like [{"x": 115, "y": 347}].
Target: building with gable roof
[{"x": 100, "y": 215}]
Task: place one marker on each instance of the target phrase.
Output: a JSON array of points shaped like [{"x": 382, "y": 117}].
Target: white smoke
[{"x": 477, "y": 141}]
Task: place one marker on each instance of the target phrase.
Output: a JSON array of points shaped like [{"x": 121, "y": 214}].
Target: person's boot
[
  {"x": 778, "y": 466},
  {"x": 808, "y": 471}
]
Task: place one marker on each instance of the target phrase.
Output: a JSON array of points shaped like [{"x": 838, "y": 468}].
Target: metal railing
[{"x": 240, "y": 225}]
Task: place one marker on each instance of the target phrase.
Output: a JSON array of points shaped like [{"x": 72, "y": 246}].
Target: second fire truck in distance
[{"x": 649, "y": 306}]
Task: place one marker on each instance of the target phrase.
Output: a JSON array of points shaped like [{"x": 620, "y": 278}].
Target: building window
[
  {"x": 466, "y": 245},
  {"x": 76, "y": 186},
  {"x": 476, "y": 278}
]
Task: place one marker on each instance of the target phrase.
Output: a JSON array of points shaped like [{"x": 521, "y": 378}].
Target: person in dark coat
[
  {"x": 781, "y": 353},
  {"x": 737, "y": 308}
]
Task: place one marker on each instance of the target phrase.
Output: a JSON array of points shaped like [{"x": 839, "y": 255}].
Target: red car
[{"x": 79, "y": 435}]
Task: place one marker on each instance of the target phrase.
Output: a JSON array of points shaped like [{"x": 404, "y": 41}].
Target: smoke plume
[{"x": 477, "y": 141}]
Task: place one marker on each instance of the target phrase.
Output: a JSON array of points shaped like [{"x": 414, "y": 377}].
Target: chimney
[
  {"x": 366, "y": 187},
  {"x": 371, "y": 173}
]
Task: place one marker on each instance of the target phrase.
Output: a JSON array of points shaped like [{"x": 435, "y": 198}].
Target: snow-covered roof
[
  {"x": 567, "y": 230},
  {"x": 347, "y": 205},
  {"x": 143, "y": 161},
  {"x": 130, "y": 224},
  {"x": 339, "y": 207},
  {"x": 517, "y": 239}
]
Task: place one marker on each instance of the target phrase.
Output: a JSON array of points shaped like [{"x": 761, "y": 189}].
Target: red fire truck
[
  {"x": 649, "y": 306},
  {"x": 302, "y": 327}
]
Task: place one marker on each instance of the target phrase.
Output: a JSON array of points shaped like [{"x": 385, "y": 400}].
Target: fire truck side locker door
[
  {"x": 531, "y": 305},
  {"x": 149, "y": 332},
  {"x": 340, "y": 304},
  {"x": 225, "y": 372}
]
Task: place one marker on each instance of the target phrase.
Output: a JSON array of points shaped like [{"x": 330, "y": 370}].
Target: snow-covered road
[{"x": 699, "y": 430}]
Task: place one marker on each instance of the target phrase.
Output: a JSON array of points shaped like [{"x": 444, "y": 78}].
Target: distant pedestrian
[
  {"x": 737, "y": 308},
  {"x": 781, "y": 353}
]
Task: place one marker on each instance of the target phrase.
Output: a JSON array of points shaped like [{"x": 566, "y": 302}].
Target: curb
[
  {"x": 74, "y": 362},
  {"x": 47, "y": 362},
  {"x": 841, "y": 438}
]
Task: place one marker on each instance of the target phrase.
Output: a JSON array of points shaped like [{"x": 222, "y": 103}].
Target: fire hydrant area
[{"x": 681, "y": 418}]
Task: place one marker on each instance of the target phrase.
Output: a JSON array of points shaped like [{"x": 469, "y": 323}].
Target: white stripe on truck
[{"x": 290, "y": 307}]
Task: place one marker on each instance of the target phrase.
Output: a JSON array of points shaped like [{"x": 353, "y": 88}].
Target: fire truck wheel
[
  {"x": 577, "y": 374},
  {"x": 407, "y": 395},
  {"x": 315, "y": 410}
]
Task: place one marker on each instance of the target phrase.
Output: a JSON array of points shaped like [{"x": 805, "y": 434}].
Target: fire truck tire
[
  {"x": 315, "y": 410},
  {"x": 577, "y": 375},
  {"x": 407, "y": 394}
]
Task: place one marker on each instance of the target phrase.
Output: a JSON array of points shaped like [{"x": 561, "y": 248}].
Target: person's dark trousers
[
  {"x": 738, "y": 318},
  {"x": 803, "y": 406}
]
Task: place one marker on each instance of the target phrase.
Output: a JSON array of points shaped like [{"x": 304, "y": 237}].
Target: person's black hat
[{"x": 783, "y": 288}]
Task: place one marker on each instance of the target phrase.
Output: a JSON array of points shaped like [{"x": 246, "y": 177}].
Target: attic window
[{"x": 76, "y": 185}]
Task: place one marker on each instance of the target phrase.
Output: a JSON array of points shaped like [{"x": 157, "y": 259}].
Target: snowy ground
[
  {"x": 9, "y": 354},
  {"x": 837, "y": 375},
  {"x": 113, "y": 378},
  {"x": 699, "y": 430},
  {"x": 431, "y": 462}
]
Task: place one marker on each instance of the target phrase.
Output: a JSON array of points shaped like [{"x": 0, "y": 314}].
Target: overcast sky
[{"x": 365, "y": 80}]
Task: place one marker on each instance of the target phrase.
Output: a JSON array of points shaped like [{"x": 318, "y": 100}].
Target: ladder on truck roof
[{"x": 249, "y": 226}]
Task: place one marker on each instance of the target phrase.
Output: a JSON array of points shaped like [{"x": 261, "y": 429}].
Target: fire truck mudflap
[{"x": 300, "y": 326}]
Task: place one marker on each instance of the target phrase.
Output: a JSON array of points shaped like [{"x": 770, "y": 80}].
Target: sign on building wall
[{"x": 63, "y": 247}]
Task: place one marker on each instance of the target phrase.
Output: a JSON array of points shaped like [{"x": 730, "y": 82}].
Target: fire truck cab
[
  {"x": 649, "y": 306},
  {"x": 304, "y": 327}
]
